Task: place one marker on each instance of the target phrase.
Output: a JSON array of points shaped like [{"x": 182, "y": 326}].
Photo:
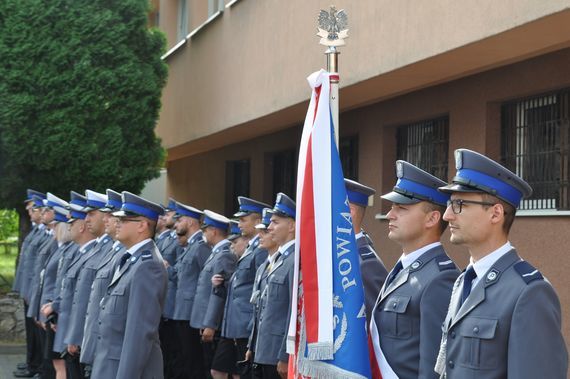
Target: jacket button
[
  {"x": 98, "y": 337},
  {"x": 452, "y": 334},
  {"x": 451, "y": 364},
  {"x": 394, "y": 305},
  {"x": 476, "y": 330}
]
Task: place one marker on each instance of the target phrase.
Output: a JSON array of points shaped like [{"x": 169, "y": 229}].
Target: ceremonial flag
[{"x": 327, "y": 332}]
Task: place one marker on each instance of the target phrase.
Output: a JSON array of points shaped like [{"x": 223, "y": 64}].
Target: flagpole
[{"x": 332, "y": 28}]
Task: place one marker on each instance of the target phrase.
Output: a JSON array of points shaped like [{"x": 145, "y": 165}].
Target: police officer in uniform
[
  {"x": 170, "y": 249},
  {"x": 95, "y": 221},
  {"x": 103, "y": 275},
  {"x": 406, "y": 321},
  {"x": 209, "y": 302},
  {"x": 269, "y": 344},
  {"x": 504, "y": 316},
  {"x": 129, "y": 346},
  {"x": 183, "y": 278},
  {"x": 372, "y": 268},
  {"x": 238, "y": 313},
  {"x": 21, "y": 282}
]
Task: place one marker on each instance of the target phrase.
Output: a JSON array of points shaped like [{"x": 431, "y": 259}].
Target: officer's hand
[
  {"x": 47, "y": 309},
  {"x": 73, "y": 349},
  {"x": 248, "y": 355},
  {"x": 282, "y": 369},
  {"x": 43, "y": 325},
  {"x": 165, "y": 262},
  {"x": 217, "y": 280},
  {"x": 208, "y": 335},
  {"x": 54, "y": 327}
]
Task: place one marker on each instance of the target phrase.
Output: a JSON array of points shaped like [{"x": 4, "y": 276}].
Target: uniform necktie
[
  {"x": 397, "y": 268},
  {"x": 124, "y": 258},
  {"x": 272, "y": 262},
  {"x": 467, "y": 281}
]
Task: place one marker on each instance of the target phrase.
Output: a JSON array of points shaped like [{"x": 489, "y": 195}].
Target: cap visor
[
  {"x": 120, "y": 214},
  {"x": 241, "y": 214},
  {"x": 70, "y": 220},
  {"x": 454, "y": 187},
  {"x": 397, "y": 198},
  {"x": 260, "y": 226},
  {"x": 233, "y": 237}
]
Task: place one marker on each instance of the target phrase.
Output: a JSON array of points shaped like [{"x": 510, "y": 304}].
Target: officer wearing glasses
[{"x": 504, "y": 316}]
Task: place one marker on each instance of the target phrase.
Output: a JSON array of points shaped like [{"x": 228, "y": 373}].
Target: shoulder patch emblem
[
  {"x": 527, "y": 272},
  {"x": 444, "y": 263},
  {"x": 417, "y": 264}
]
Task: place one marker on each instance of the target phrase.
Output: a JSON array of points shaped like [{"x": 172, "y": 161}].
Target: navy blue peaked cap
[
  {"x": 171, "y": 206},
  {"x": 216, "y": 220},
  {"x": 284, "y": 206},
  {"x": 30, "y": 193},
  {"x": 415, "y": 185},
  {"x": 77, "y": 203},
  {"x": 478, "y": 173},
  {"x": 188, "y": 211},
  {"x": 235, "y": 231},
  {"x": 114, "y": 201},
  {"x": 358, "y": 193},
  {"x": 265, "y": 218},
  {"x": 95, "y": 200},
  {"x": 133, "y": 205},
  {"x": 38, "y": 201},
  {"x": 247, "y": 206}
]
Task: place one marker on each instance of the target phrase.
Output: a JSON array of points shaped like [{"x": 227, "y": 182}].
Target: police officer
[
  {"x": 372, "y": 268},
  {"x": 167, "y": 243},
  {"x": 238, "y": 313},
  {"x": 208, "y": 305},
  {"x": 183, "y": 278},
  {"x": 62, "y": 305},
  {"x": 129, "y": 346},
  {"x": 103, "y": 273},
  {"x": 504, "y": 316},
  {"x": 267, "y": 243},
  {"x": 406, "y": 321},
  {"x": 48, "y": 282},
  {"x": 269, "y": 345},
  {"x": 26, "y": 279},
  {"x": 85, "y": 274}
]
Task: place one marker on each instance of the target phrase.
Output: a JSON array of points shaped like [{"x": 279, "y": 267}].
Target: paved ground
[{"x": 10, "y": 356}]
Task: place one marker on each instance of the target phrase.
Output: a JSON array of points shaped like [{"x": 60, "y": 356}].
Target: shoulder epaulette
[
  {"x": 146, "y": 256},
  {"x": 444, "y": 262},
  {"x": 527, "y": 272}
]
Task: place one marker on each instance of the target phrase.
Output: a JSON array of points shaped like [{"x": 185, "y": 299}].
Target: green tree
[
  {"x": 8, "y": 224},
  {"x": 80, "y": 87}
]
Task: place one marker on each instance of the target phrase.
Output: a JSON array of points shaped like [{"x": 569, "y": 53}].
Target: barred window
[
  {"x": 425, "y": 144},
  {"x": 237, "y": 183},
  {"x": 535, "y": 145},
  {"x": 348, "y": 150}
]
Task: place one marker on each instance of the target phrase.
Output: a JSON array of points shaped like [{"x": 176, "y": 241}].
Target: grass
[{"x": 7, "y": 264}]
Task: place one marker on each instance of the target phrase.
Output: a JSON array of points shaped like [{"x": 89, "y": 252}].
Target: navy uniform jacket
[
  {"x": 509, "y": 326},
  {"x": 170, "y": 252},
  {"x": 184, "y": 275},
  {"x": 29, "y": 271},
  {"x": 209, "y": 302},
  {"x": 161, "y": 239},
  {"x": 85, "y": 278},
  {"x": 63, "y": 303},
  {"x": 238, "y": 311},
  {"x": 274, "y": 310},
  {"x": 65, "y": 260},
  {"x": 47, "y": 249},
  {"x": 410, "y": 311},
  {"x": 258, "y": 286},
  {"x": 49, "y": 277},
  {"x": 102, "y": 280},
  {"x": 130, "y": 314},
  {"x": 17, "y": 286},
  {"x": 372, "y": 270}
]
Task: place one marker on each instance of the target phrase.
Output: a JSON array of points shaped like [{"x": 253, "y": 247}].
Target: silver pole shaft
[{"x": 332, "y": 68}]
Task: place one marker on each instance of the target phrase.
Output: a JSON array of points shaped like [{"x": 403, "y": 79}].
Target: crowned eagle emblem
[{"x": 333, "y": 27}]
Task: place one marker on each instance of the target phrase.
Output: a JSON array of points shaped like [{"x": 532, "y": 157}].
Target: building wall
[
  {"x": 252, "y": 60},
  {"x": 473, "y": 106}
]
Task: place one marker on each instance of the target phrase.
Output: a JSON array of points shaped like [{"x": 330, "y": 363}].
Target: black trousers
[
  {"x": 74, "y": 369},
  {"x": 189, "y": 362},
  {"x": 168, "y": 334},
  {"x": 46, "y": 369},
  {"x": 33, "y": 343},
  {"x": 269, "y": 372}
]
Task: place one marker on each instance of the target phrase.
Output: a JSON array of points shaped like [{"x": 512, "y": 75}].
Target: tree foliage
[
  {"x": 80, "y": 87},
  {"x": 8, "y": 224}
]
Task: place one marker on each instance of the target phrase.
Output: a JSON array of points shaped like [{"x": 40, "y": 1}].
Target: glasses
[{"x": 457, "y": 204}]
